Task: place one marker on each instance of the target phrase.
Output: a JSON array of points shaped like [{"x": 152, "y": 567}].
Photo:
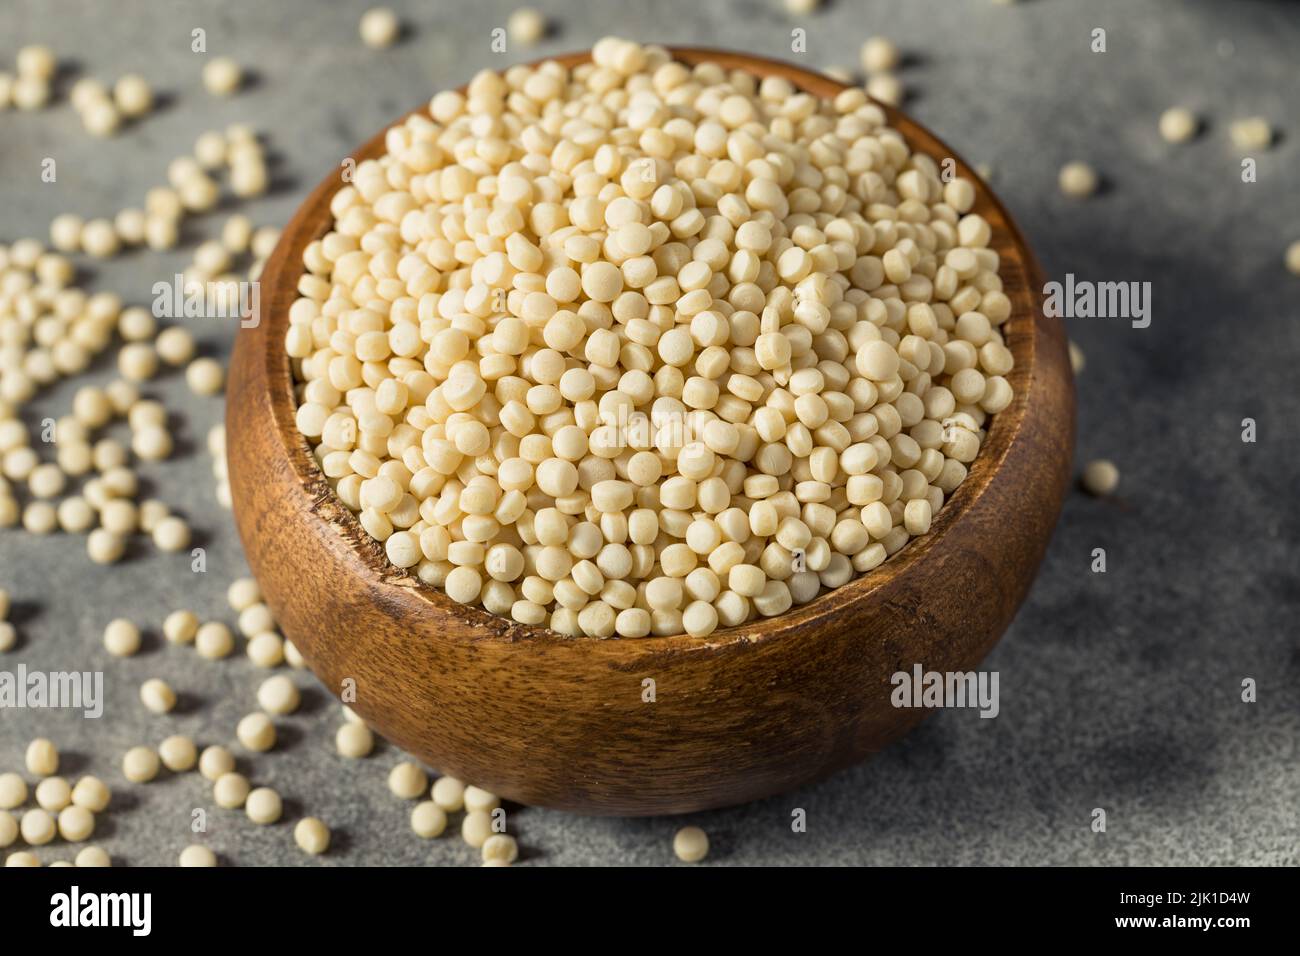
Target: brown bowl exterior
[{"x": 654, "y": 725}]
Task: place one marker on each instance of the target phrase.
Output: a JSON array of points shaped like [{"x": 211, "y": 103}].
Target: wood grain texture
[{"x": 744, "y": 713}]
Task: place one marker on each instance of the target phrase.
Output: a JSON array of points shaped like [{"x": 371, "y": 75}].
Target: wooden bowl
[{"x": 574, "y": 723}]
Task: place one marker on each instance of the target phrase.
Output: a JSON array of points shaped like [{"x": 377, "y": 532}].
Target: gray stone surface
[{"x": 1119, "y": 690}]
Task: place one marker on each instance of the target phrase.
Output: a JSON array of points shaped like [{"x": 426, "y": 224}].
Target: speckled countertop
[{"x": 1119, "y": 690}]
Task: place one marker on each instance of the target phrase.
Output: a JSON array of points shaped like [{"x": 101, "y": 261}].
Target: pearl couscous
[
  {"x": 354, "y": 741},
  {"x": 256, "y": 732},
  {"x": 178, "y": 753},
  {"x": 500, "y": 849},
  {"x": 1178, "y": 124},
  {"x": 13, "y": 791},
  {"x": 121, "y": 638},
  {"x": 1100, "y": 477},
  {"x": 91, "y": 793},
  {"x": 222, "y": 76},
  {"x": 42, "y": 757},
  {"x": 691, "y": 844},
  {"x": 157, "y": 696},
  {"x": 408, "y": 780},
  {"x": 1253, "y": 132},
  {"x": 1078, "y": 180},
  {"x": 53, "y": 794},
  {"x": 278, "y": 695},
  {"x": 230, "y": 790},
  {"x": 196, "y": 855},
  {"x": 140, "y": 764},
  {"x": 428, "y": 820},
  {"x": 215, "y": 762},
  {"x": 312, "y": 835},
  {"x": 879, "y": 55},
  {"x": 379, "y": 28},
  {"x": 526, "y": 26},
  {"x": 93, "y": 856},
  {"x": 640, "y": 347},
  {"x": 263, "y": 806},
  {"x": 213, "y": 640}
]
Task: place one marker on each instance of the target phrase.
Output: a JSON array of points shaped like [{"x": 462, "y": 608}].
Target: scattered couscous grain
[
  {"x": 1292, "y": 258},
  {"x": 354, "y": 741},
  {"x": 133, "y": 95},
  {"x": 243, "y": 593},
  {"x": 197, "y": 855},
  {"x": 140, "y": 764},
  {"x": 293, "y": 657},
  {"x": 213, "y": 640},
  {"x": 13, "y": 791},
  {"x": 157, "y": 696},
  {"x": 476, "y": 828},
  {"x": 1253, "y": 132},
  {"x": 311, "y": 835},
  {"x": 408, "y": 780},
  {"x": 256, "y": 732},
  {"x": 263, "y": 806},
  {"x": 91, "y": 793},
  {"x": 449, "y": 793},
  {"x": 428, "y": 820},
  {"x": 171, "y": 534},
  {"x": 500, "y": 848},
  {"x": 266, "y": 649},
  {"x": 255, "y": 619},
  {"x": 1078, "y": 180},
  {"x": 222, "y": 76},
  {"x": 1100, "y": 477},
  {"x": 278, "y": 695},
  {"x": 885, "y": 87},
  {"x": 92, "y": 856},
  {"x": 105, "y": 547},
  {"x": 230, "y": 790},
  {"x": 215, "y": 761},
  {"x": 38, "y": 827},
  {"x": 53, "y": 794},
  {"x": 476, "y": 798},
  {"x": 1078, "y": 361},
  {"x": 42, "y": 757},
  {"x": 526, "y": 27},
  {"x": 205, "y": 376},
  {"x": 1178, "y": 124},
  {"x": 181, "y": 627},
  {"x": 36, "y": 61},
  {"x": 691, "y": 844},
  {"x": 76, "y": 824},
  {"x": 879, "y": 55},
  {"x": 379, "y": 28},
  {"x": 178, "y": 753}
]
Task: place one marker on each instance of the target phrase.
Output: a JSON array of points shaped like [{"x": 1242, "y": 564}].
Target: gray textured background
[{"x": 1118, "y": 691}]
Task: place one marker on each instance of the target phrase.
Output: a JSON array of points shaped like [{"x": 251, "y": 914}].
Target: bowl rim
[{"x": 1022, "y": 282}]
